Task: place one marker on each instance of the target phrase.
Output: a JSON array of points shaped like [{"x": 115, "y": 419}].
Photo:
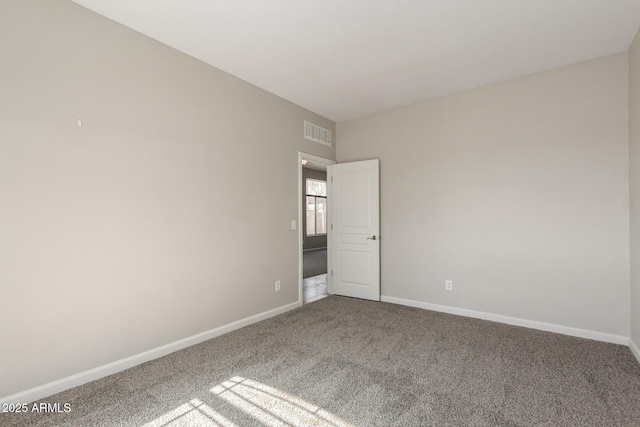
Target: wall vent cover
[{"x": 317, "y": 134}]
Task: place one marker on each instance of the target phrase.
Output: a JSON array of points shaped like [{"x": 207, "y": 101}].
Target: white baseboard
[
  {"x": 549, "y": 327},
  {"x": 314, "y": 249},
  {"x": 63, "y": 384},
  {"x": 634, "y": 349}
]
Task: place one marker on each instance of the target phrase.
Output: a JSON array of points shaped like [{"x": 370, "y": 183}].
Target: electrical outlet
[
  {"x": 448, "y": 285},
  {"x": 277, "y": 285}
]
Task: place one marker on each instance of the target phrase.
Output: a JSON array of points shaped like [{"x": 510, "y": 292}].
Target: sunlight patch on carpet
[
  {"x": 194, "y": 413},
  {"x": 273, "y": 407},
  {"x": 270, "y": 406}
]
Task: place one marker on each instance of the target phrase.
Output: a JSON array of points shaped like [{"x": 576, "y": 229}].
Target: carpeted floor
[
  {"x": 314, "y": 263},
  {"x": 348, "y": 362}
]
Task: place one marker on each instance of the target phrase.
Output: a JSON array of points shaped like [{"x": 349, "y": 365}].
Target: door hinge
[
  {"x": 332, "y": 226},
  {"x": 331, "y": 273},
  {"x": 332, "y": 179}
]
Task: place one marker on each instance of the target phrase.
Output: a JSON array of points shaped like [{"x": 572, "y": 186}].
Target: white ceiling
[{"x": 348, "y": 58}]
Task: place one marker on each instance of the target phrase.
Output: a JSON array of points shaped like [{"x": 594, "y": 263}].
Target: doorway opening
[{"x": 313, "y": 217}]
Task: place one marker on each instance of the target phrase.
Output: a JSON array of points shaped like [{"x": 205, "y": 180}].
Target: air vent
[{"x": 317, "y": 134}]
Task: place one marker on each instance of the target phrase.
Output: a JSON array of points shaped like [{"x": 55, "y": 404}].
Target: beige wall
[
  {"x": 634, "y": 144},
  {"x": 136, "y": 229},
  {"x": 517, "y": 191}
]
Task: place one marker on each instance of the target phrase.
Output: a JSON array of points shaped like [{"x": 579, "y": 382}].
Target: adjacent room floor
[
  {"x": 315, "y": 275},
  {"x": 314, "y": 263},
  {"x": 315, "y": 288}
]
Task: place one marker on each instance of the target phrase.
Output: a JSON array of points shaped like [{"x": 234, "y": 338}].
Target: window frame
[{"x": 315, "y": 212}]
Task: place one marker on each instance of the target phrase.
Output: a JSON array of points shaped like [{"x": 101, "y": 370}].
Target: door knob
[{"x": 371, "y": 238}]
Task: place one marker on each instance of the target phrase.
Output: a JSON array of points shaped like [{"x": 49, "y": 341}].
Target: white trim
[
  {"x": 63, "y": 384},
  {"x": 549, "y": 327},
  {"x": 634, "y": 349},
  {"x": 322, "y": 161},
  {"x": 314, "y": 249}
]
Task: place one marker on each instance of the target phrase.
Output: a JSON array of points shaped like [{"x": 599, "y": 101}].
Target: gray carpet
[
  {"x": 314, "y": 263},
  {"x": 347, "y": 362}
]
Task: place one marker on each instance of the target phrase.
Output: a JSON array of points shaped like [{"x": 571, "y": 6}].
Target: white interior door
[{"x": 355, "y": 218}]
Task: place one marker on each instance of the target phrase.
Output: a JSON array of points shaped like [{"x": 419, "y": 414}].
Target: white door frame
[{"x": 327, "y": 162}]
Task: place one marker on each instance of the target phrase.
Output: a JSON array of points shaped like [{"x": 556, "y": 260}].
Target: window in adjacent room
[{"x": 316, "y": 207}]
